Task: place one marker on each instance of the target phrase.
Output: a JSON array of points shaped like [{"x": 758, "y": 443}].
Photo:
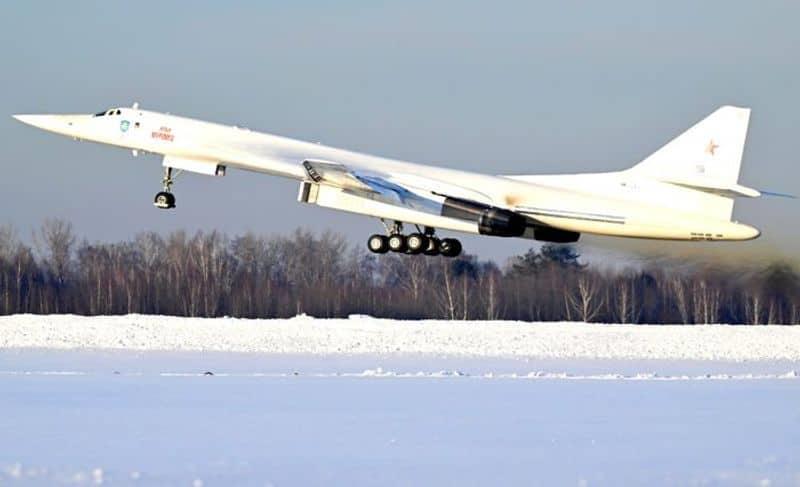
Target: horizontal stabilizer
[
  {"x": 778, "y": 195},
  {"x": 730, "y": 191}
]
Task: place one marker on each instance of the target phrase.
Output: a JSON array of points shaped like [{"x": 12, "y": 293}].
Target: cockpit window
[{"x": 113, "y": 111}]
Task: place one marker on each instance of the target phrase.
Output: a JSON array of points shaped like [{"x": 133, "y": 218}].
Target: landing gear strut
[
  {"x": 419, "y": 242},
  {"x": 165, "y": 200}
]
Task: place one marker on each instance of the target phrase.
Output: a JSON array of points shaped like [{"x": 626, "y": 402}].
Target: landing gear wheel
[
  {"x": 164, "y": 200},
  {"x": 397, "y": 243},
  {"x": 378, "y": 244},
  {"x": 433, "y": 246},
  {"x": 416, "y": 243},
  {"x": 450, "y": 247}
]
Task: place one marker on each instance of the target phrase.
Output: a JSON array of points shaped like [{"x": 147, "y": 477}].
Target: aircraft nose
[
  {"x": 34, "y": 120},
  {"x": 60, "y": 124},
  {"x": 46, "y": 122}
]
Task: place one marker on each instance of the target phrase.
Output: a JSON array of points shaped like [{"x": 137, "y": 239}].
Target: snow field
[
  {"x": 375, "y": 428},
  {"x": 153, "y": 400},
  {"x": 362, "y": 335}
]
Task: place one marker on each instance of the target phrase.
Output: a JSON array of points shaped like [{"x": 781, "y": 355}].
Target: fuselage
[{"x": 617, "y": 203}]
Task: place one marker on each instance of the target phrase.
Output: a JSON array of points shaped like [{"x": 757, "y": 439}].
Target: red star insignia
[{"x": 711, "y": 147}]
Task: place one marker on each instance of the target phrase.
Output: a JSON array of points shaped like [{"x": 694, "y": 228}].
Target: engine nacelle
[
  {"x": 491, "y": 220},
  {"x": 501, "y": 223}
]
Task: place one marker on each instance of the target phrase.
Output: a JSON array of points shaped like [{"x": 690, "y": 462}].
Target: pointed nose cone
[
  {"x": 35, "y": 120},
  {"x": 44, "y": 122},
  {"x": 60, "y": 124}
]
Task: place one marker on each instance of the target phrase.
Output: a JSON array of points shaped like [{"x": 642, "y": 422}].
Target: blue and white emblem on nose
[{"x": 124, "y": 125}]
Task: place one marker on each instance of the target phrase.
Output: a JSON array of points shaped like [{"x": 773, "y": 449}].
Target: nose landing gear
[
  {"x": 165, "y": 200},
  {"x": 414, "y": 244}
]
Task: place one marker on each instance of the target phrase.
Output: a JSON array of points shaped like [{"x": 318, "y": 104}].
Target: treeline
[{"x": 252, "y": 276}]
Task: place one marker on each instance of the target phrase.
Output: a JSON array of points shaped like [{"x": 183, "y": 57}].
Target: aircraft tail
[{"x": 707, "y": 157}]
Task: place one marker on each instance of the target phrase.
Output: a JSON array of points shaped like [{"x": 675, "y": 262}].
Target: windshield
[{"x": 113, "y": 111}]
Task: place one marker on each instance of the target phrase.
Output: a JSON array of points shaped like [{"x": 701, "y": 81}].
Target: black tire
[
  {"x": 450, "y": 247},
  {"x": 378, "y": 244},
  {"x": 433, "y": 246},
  {"x": 397, "y": 243},
  {"x": 416, "y": 243},
  {"x": 164, "y": 200}
]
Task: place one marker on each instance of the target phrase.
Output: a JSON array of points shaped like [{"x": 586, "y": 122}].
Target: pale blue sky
[{"x": 500, "y": 87}]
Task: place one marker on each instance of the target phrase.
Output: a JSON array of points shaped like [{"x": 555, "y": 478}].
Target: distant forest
[{"x": 252, "y": 276}]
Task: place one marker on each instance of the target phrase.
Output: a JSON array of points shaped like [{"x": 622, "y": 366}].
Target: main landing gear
[
  {"x": 414, "y": 244},
  {"x": 165, "y": 200}
]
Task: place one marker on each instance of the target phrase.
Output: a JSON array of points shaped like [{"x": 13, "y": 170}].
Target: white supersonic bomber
[{"x": 684, "y": 191}]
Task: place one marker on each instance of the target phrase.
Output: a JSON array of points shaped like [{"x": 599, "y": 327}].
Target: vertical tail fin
[{"x": 708, "y": 155}]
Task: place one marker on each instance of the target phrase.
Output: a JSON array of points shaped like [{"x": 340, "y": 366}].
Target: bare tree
[
  {"x": 445, "y": 293},
  {"x": 586, "y": 298},
  {"x": 488, "y": 283},
  {"x": 56, "y": 240},
  {"x": 623, "y": 297},
  {"x": 753, "y": 306},
  {"x": 706, "y": 301},
  {"x": 8, "y": 248},
  {"x": 681, "y": 301},
  {"x": 152, "y": 249}
]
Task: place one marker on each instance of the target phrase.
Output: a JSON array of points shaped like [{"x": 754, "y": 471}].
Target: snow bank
[{"x": 371, "y": 336}]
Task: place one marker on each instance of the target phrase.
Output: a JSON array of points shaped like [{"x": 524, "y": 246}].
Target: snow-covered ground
[
  {"x": 139, "y": 400},
  {"x": 366, "y": 335}
]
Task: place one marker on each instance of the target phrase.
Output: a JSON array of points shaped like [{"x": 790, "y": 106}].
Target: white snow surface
[
  {"x": 363, "y": 335},
  {"x": 153, "y": 400},
  {"x": 154, "y": 418}
]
